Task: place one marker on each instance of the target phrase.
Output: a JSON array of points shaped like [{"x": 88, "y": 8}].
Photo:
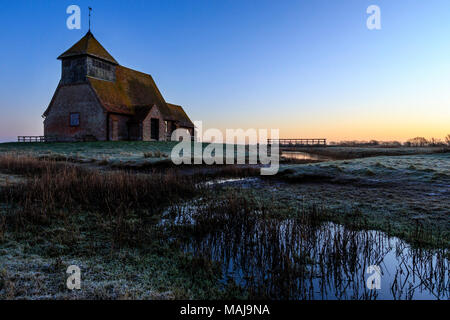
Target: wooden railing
[
  {"x": 298, "y": 142},
  {"x": 30, "y": 139},
  {"x": 36, "y": 139}
]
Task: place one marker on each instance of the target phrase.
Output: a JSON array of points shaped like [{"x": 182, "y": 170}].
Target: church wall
[
  {"x": 118, "y": 127},
  {"x": 146, "y": 125},
  {"x": 135, "y": 131},
  {"x": 75, "y": 99}
]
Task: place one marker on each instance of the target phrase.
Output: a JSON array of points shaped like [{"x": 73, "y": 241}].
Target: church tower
[{"x": 87, "y": 58}]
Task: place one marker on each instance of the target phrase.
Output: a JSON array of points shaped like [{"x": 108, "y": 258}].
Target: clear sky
[{"x": 310, "y": 68}]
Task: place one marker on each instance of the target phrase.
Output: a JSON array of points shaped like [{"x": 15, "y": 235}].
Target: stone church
[{"x": 98, "y": 99}]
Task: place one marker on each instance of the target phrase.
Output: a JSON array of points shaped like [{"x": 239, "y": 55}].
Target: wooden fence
[
  {"x": 298, "y": 142},
  {"x": 36, "y": 139}
]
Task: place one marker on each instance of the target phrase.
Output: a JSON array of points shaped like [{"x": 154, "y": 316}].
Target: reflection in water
[
  {"x": 221, "y": 181},
  {"x": 303, "y": 259},
  {"x": 302, "y": 156}
]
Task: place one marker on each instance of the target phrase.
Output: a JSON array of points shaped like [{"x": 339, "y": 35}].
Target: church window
[{"x": 74, "y": 119}]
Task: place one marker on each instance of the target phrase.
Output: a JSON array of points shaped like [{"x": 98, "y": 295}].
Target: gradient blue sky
[{"x": 310, "y": 68}]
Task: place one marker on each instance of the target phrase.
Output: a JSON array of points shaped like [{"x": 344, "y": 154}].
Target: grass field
[
  {"x": 393, "y": 194},
  {"x": 168, "y": 234},
  {"x": 94, "y": 151},
  {"x": 138, "y": 154},
  {"x": 129, "y": 150},
  {"x": 340, "y": 153}
]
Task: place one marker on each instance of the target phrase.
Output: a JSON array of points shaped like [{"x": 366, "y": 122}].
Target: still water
[
  {"x": 302, "y": 156},
  {"x": 288, "y": 259}
]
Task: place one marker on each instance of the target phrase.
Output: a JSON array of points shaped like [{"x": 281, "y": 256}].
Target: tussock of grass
[{"x": 155, "y": 154}]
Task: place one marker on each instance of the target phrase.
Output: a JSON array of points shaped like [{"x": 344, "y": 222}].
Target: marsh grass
[
  {"x": 2, "y": 228},
  {"x": 342, "y": 153},
  {"x": 404, "y": 196},
  {"x": 224, "y": 243},
  {"x": 56, "y": 189},
  {"x": 105, "y": 221},
  {"x": 270, "y": 256},
  {"x": 27, "y": 165}
]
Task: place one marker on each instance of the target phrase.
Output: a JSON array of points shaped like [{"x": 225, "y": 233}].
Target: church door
[
  {"x": 154, "y": 127},
  {"x": 115, "y": 130}
]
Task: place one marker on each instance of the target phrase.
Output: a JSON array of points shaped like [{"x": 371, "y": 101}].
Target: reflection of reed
[
  {"x": 303, "y": 258},
  {"x": 428, "y": 272}
]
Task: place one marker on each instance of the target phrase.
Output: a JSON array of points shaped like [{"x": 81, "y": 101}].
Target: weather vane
[{"x": 90, "y": 10}]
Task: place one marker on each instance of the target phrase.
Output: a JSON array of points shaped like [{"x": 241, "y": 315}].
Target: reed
[
  {"x": 55, "y": 189},
  {"x": 279, "y": 258}
]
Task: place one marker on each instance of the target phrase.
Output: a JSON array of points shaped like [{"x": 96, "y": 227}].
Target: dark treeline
[{"x": 414, "y": 142}]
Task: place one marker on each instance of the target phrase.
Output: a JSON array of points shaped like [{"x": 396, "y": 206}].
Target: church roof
[
  {"x": 135, "y": 93},
  {"x": 180, "y": 115},
  {"x": 131, "y": 89},
  {"x": 88, "y": 45}
]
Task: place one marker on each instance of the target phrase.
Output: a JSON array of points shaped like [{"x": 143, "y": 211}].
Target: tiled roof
[
  {"x": 88, "y": 45},
  {"x": 180, "y": 115},
  {"x": 131, "y": 89},
  {"x": 135, "y": 93}
]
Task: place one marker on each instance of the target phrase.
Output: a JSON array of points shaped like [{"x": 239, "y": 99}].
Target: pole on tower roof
[{"x": 90, "y": 9}]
